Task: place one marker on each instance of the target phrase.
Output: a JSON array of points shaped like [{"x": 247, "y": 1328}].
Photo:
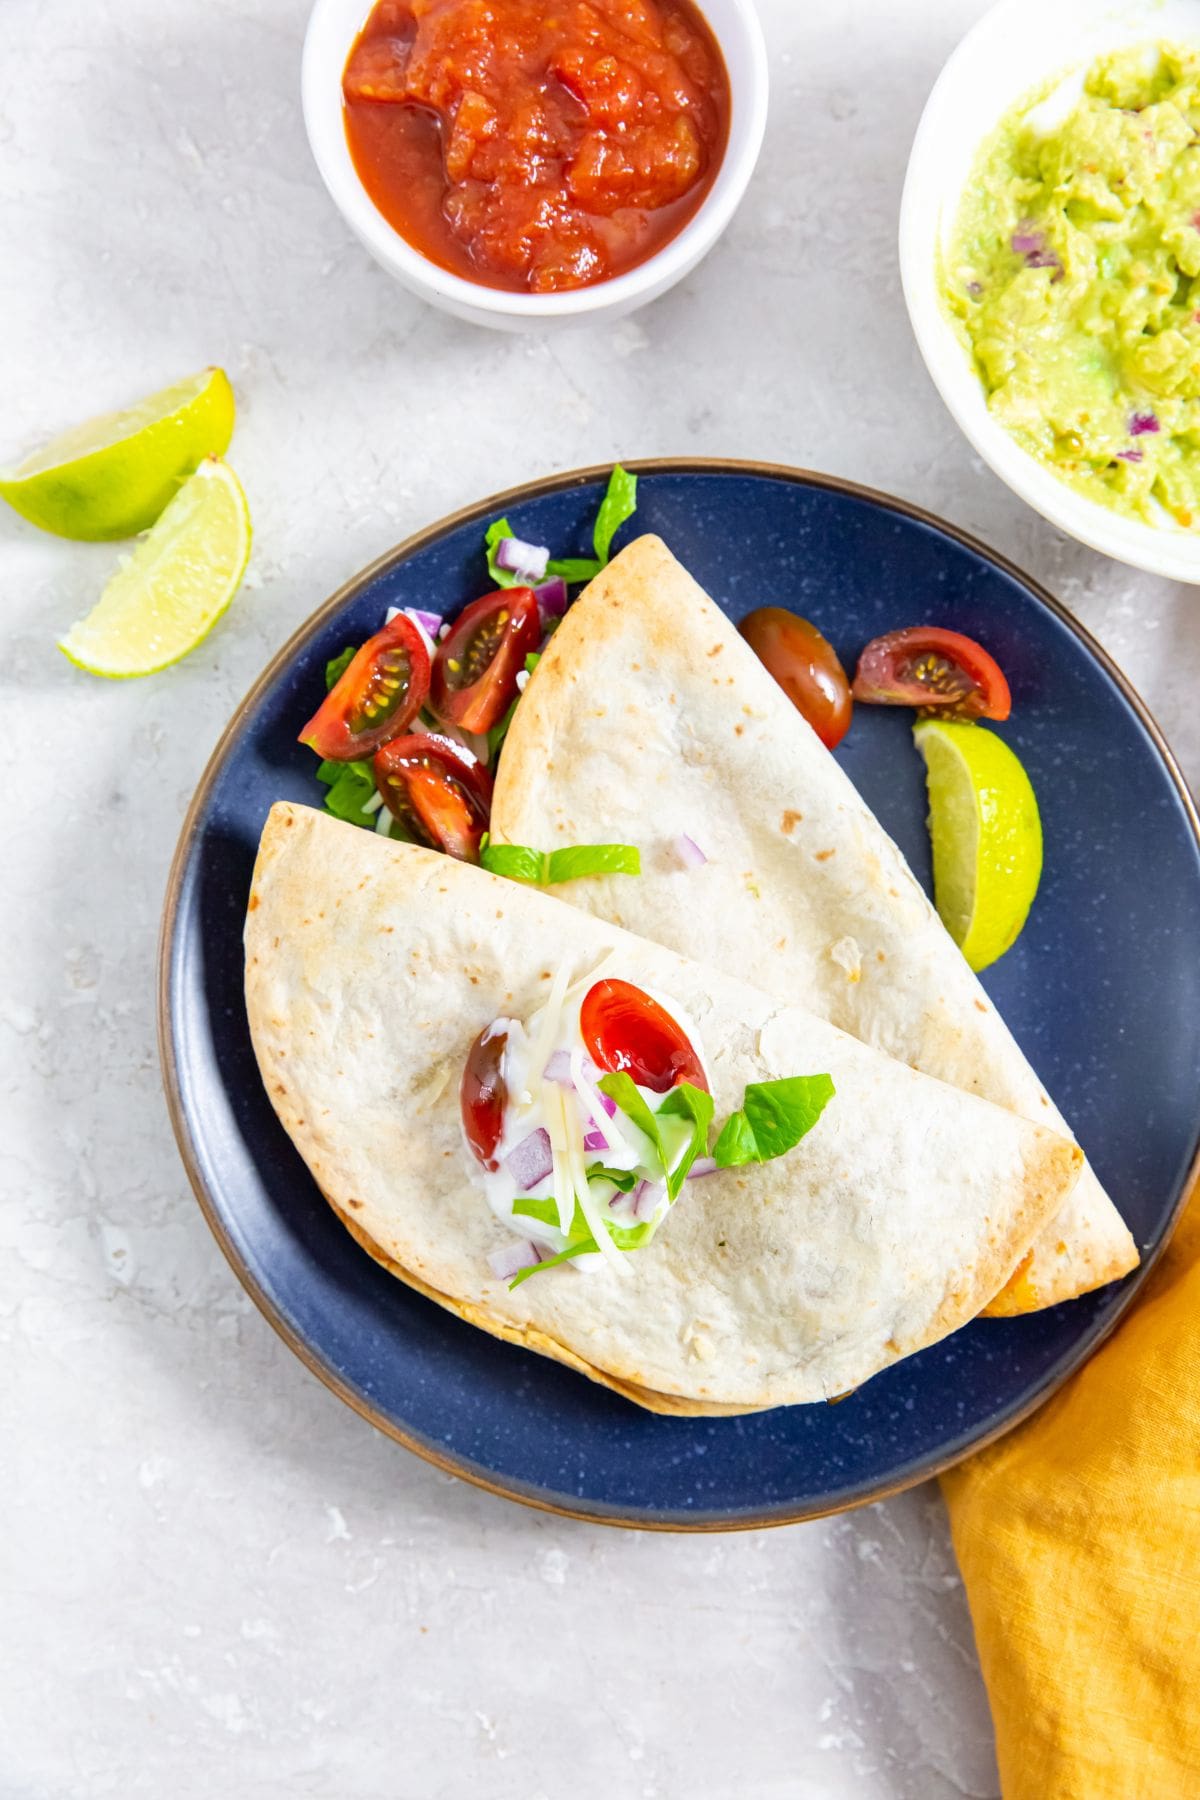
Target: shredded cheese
[
  {"x": 548, "y": 1027},
  {"x": 554, "y": 1113},
  {"x": 621, "y": 1152},
  {"x": 577, "y": 1173}
]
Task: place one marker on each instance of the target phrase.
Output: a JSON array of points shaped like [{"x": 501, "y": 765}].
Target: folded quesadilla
[
  {"x": 425, "y": 1029},
  {"x": 648, "y": 718}
]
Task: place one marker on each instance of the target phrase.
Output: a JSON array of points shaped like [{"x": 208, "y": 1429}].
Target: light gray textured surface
[{"x": 214, "y": 1577}]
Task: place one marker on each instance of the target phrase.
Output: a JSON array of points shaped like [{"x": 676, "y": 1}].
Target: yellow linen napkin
[{"x": 1078, "y": 1536}]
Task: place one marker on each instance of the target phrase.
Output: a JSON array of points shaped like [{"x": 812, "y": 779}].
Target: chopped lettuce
[
  {"x": 574, "y": 569},
  {"x": 336, "y": 667},
  {"x": 695, "y": 1104},
  {"x": 619, "y": 503},
  {"x": 542, "y": 868},
  {"x": 684, "y": 1101},
  {"x": 774, "y": 1116},
  {"x": 624, "y": 1179},
  {"x": 349, "y": 786},
  {"x": 772, "y": 1119},
  {"x": 498, "y": 530},
  {"x": 552, "y": 1262}
]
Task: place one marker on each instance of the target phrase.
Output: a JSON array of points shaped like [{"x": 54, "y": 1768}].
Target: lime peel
[
  {"x": 986, "y": 834},
  {"x": 169, "y": 593}
]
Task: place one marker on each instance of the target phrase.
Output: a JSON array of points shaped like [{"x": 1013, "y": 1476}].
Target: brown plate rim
[{"x": 494, "y": 505}]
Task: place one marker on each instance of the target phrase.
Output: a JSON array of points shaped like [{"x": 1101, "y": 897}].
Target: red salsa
[{"x": 536, "y": 145}]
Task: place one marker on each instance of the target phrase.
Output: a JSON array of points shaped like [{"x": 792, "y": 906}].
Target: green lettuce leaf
[
  {"x": 552, "y": 1262},
  {"x": 514, "y": 861},
  {"x": 348, "y": 787},
  {"x": 618, "y": 504},
  {"x": 499, "y": 528},
  {"x": 575, "y": 861},
  {"x": 573, "y": 569},
  {"x": 541, "y": 868},
  {"x": 625, "y": 1179},
  {"x": 336, "y": 667},
  {"x": 692, "y": 1103},
  {"x": 774, "y": 1116},
  {"x": 684, "y": 1101}
]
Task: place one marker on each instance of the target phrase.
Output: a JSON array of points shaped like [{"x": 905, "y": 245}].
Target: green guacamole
[{"x": 1074, "y": 278}]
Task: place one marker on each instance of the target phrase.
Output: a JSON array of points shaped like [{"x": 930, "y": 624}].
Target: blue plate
[{"x": 1103, "y": 991}]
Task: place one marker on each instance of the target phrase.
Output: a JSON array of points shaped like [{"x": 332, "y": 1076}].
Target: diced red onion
[
  {"x": 509, "y": 1261},
  {"x": 608, "y": 1103},
  {"x": 1031, "y": 245},
  {"x": 552, "y": 598},
  {"x": 646, "y": 1196},
  {"x": 532, "y": 1160},
  {"x": 1133, "y": 456},
  {"x": 558, "y": 1069},
  {"x": 689, "y": 852},
  {"x": 520, "y": 558},
  {"x": 703, "y": 1165},
  {"x": 430, "y": 622},
  {"x": 1143, "y": 422},
  {"x": 595, "y": 1140}
]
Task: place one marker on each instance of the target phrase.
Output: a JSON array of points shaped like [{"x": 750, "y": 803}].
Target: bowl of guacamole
[{"x": 1050, "y": 249}]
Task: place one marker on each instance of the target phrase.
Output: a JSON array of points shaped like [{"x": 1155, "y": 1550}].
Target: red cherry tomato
[
  {"x": 475, "y": 670},
  {"x": 623, "y": 1028},
  {"x": 376, "y": 698},
  {"x": 806, "y": 667},
  {"x": 437, "y": 791},
  {"x": 926, "y": 666},
  {"x": 483, "y": 1095}
]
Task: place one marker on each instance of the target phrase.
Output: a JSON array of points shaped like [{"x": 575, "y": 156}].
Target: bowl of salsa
[{"x": 526, "y": 162}]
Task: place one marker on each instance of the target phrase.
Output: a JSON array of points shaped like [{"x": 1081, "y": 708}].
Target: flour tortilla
[
  {"x": 647, "y": 717},
  {"x": 370, "y": 969}
]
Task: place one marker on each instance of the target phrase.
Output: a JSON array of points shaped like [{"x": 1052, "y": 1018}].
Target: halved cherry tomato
[
  {"x": 929, "y": 667},
  {"x": 475, "y": 670},
  {"x": 483, "y": 1096},
  {"x": 623, "y": 1028},
  {"x": 376, "y": 698},
  {"x": 805, "y": 665},
  {"x": 438, "y": 792}
]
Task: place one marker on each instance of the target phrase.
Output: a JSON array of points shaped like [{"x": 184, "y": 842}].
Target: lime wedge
[
  {"x": 171, "y": 591},
  {"x": 112, "y": 476},
  {"x": 987, "y": 836}
]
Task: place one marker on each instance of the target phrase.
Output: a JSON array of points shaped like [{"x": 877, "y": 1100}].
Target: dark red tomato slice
[
  {"x": 475, "y": 670},
  {"x": 483, "y": 1095},
  {"x": 806, "y": 666},
  {"x": 376, "y": 698},
  {"x": 438, "y": 792},
  {"x": 926, "y": 666},
  {"x": 623, "y": 1028}
]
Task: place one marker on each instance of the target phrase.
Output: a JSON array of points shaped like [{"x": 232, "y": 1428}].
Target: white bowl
[
  {"x": 332, "y": 29},
  {"x": 1013, "y": 50}
]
